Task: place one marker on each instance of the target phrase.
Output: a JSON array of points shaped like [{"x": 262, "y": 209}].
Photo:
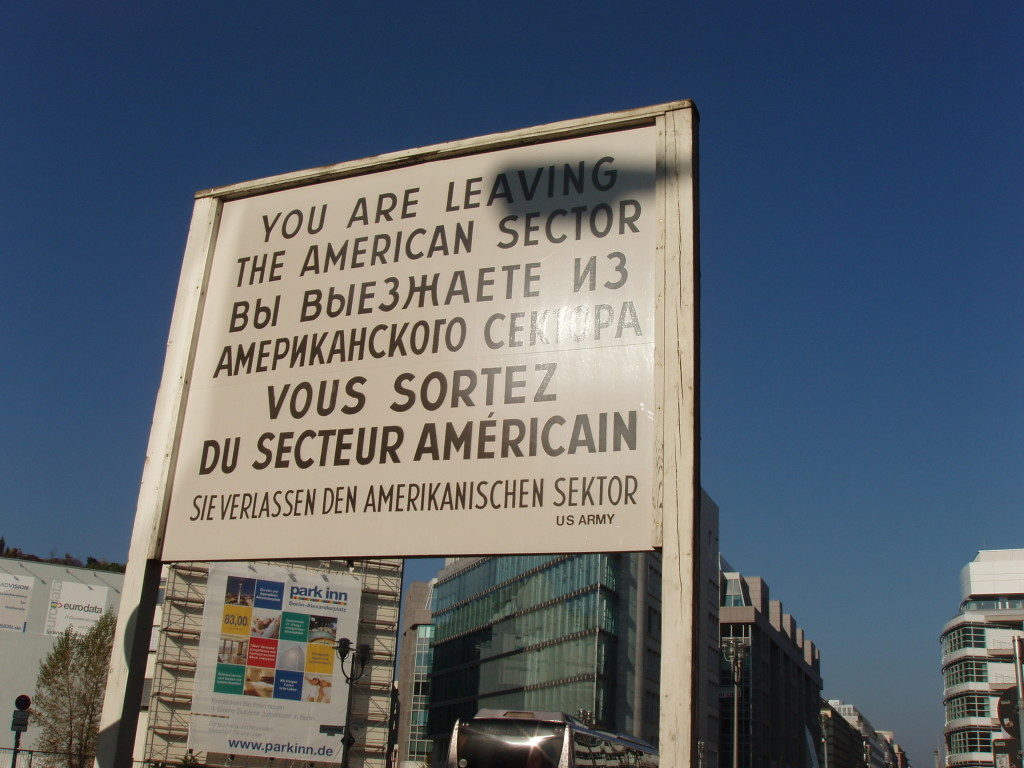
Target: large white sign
[
  {"x": 451, "y": 357},
  {"x": 15, "y": 598},
  {"x": 267, "y": 676},
  {"x": 75, "y": 606}
]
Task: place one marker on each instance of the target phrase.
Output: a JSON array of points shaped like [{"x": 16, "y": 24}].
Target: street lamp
[
  {"x": 825, "y": 720},
  {"x": 735, "y": 651},
  {"x": 356, "y": 667}
]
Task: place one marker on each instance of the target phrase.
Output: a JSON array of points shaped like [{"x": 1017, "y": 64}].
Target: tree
[{"x": 69, "y": 691}]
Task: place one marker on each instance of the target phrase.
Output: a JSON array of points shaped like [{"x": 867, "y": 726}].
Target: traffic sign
[
  {"x": 19, "y": 721},
  {"x": 1006, "y": 753},
  {"x": 1006, "y": 711}
]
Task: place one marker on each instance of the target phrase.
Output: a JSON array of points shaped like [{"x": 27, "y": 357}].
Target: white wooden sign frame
[{"x": 676, "y": 471}]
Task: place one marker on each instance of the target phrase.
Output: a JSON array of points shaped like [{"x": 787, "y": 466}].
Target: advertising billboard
[
  {"x": 74, "y": 605},
  {"x": 15, "y": 599},
  {"x": 455, "y": 356},
  {"x": 267, "y": 676}
]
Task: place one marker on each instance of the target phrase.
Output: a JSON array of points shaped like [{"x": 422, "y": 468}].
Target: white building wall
[
  {"x": 22, "y": 649},
  {"x": 994, "y": 572}
]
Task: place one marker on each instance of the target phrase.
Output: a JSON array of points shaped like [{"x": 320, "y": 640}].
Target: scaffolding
[{"x": 174, "y": 666}]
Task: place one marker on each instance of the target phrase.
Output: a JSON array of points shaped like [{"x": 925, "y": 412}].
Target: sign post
[
  {"x": 1018, "y": 672},
  {"x": 19, "y": 723},
  {"x": 1007, "y": 711},
  {"x": 1006, "y": 753},
  {"x": 483, "y": 347}
]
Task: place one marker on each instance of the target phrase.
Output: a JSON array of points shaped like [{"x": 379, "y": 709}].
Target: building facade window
[
  {"x": 733, "y": 592},
  {"x": 652, "y": 664},
  {"x": 966, "y": 671},
  {"x": 543, "y": 586},
  {"x": 653, "y": 621},
  {"x": 147, "y": 692},
  {"x": 492, "y": 574},
  {"x": 969, "y": 740},
  {"x": 968, "y": 705},
  {"x": 967, "y": 636},
  {"x": 1001, "y": 604},
  {"x": 557, "y": 633},
  {"x": 419, "y": 745},
  {"x": 653, "y": 581}
]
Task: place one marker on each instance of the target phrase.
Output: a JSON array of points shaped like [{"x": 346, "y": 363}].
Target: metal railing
[{"x": 36, "y": 758}]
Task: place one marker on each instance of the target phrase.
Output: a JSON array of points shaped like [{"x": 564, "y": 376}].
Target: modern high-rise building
[
  {"x": 898, "y": 753},
  {"x": 571, "y": 633},
  {"x": 540, "y": 632},
  {"x": 779, "y": 680},
  {"x": 842, "y": 745},
  {"x": 416, "y": 654},
  {"x": 877, "y": 745},
  {"x": 977, "y": 654}
]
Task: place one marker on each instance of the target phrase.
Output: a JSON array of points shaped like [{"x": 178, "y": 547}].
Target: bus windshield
[{"x": 510, "y": 744}]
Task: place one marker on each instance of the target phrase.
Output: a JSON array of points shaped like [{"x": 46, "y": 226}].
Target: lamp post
[
  {"x": 825, "y": 720},
  {"x": 19, "y": 723},
  {"x": 356, "y": 667},
  {"x": 1018, "y": 678},
  {"x": 735, "y": 651}
]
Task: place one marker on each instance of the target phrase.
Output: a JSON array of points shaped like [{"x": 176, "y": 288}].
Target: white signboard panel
[
  {"x": 74, "y": 605},
  {"x": 267, "y": 676},
  {"x": 451, "y": 357},
  {"x": 15, "y": 597}
]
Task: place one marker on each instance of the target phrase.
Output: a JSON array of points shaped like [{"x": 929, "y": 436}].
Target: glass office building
[
  {"x": 419, "y": 744},
  {"x": 776, "y": 720},
  {"x": 414, "y": 747},
  {"x": 548, "y": 632}
]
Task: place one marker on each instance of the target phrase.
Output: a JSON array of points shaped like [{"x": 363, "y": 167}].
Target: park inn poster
[{"x": 267, "y": 675}]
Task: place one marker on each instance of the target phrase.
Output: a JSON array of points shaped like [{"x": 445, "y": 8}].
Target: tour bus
[{"x": 498, "y": 738}]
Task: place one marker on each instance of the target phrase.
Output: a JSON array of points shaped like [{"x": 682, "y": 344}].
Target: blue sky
[{"x": 861, "y": 223}]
